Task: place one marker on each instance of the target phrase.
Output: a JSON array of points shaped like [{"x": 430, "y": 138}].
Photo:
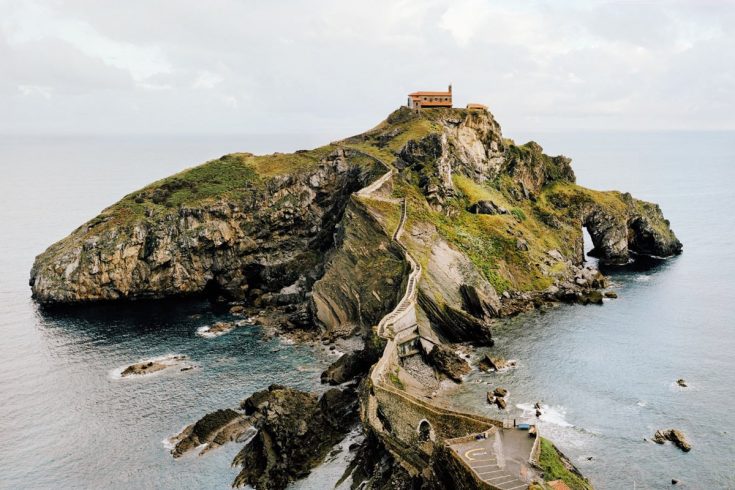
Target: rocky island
[{"x": 413, "y": 236}]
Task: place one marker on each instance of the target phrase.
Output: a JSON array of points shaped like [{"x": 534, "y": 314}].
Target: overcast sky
[{"x": 339, "y": 67}]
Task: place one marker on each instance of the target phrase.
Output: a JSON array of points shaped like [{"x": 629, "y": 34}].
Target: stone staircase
[
  {"x": 399, "y": 329},
  {"x": 497, "y": 477}
]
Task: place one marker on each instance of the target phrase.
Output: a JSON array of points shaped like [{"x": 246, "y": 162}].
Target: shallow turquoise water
[{"x": 606, "y": 373}]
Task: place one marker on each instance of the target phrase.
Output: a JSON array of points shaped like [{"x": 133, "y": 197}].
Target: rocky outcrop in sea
[{"x": 287, "y": 239}]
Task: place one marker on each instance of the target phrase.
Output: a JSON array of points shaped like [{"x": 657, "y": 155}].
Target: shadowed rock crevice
[{"x": 454, "y": 324}]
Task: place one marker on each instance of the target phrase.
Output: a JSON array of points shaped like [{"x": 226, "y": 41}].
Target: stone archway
[{"x": 425, "y": 431}]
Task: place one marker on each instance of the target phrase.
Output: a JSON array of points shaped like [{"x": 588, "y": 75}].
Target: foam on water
[
  {"x": 169, "y": 360},
  {"x": 555, "y": 415}
]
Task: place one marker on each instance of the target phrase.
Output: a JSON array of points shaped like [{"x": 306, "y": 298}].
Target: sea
[{"x": 605, "y": 376}]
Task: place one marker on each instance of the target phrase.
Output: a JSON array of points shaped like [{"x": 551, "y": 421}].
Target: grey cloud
[{"x": 340, "y": 66}]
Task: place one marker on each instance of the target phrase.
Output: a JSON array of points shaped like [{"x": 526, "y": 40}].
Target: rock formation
[
  {"x": 495, "y": 226},
  {"x": 194, "y": 234},
  {"x": 212, "y": 430},
  {"x": 158, "y": 364},
  {"x": 296, "y": 430},
  {"x": 674, "y": 435},
  {"x": 448, "y": 362}
]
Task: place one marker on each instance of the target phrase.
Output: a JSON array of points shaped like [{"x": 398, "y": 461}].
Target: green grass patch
[
  {"x": 396, "y": 380},
  {"x": 388, "y": 213},
  {"x": 518, "y": 213},
  {"x": 554, "y": 468}
]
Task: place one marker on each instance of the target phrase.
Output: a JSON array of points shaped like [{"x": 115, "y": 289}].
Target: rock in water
[
  {"x": 500, "y": 392},
  {"x": 349, "y": 366},
  {"x": 144, "y": 368},
  {"x": 296, "y": 431},
  {"x": 237, "y": 310},
  {"x": 448, "y": 362},
  {"x": 488, "y": 363},
  {"x": 501, "y": 403},
  {"x": 214, "y": 429},
  {"x": 674, "y": 435},
  {"x": 595, "y": 297},
  {"x": 681, "y": 383}
]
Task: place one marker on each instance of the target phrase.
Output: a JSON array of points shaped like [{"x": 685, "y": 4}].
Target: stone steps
[{"x": 489, "y": 472}]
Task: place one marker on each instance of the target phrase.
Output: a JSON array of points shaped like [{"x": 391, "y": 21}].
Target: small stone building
[{"x": 419, "y": 100}]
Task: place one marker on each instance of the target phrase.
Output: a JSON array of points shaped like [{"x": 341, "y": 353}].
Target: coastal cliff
[
  {"x": 495, "y": 227},
  {"x": 249, "y": 227}
]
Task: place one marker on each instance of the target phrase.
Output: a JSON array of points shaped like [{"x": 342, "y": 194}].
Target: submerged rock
[{"x": 151, "y": 366}]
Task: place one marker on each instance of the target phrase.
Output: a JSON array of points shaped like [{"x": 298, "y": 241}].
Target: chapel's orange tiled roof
[{"x": 417, "y": 94}]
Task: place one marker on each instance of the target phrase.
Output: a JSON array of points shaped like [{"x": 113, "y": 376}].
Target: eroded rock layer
[{"x": 496, "y": 228}]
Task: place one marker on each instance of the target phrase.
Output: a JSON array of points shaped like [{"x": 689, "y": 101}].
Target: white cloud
[
  {"x": 464, "y": 19},
  {"x": 32, "y": 22},
  {"x": 341, "y": 65},
  {"x": 207, "y": 80},
  {"x": 27, "y": 90}
]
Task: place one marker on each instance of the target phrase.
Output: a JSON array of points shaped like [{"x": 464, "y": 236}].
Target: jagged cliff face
[
  {"x": 268, "y": 239},
  {"x": 363, "y": 274},
  {"x": 485, "y": 217}
]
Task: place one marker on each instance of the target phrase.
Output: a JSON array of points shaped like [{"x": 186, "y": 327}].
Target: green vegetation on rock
[{"x": 556, "y": 467}]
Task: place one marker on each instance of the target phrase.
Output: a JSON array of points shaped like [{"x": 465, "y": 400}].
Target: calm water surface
[
  {"x": 606, "y": 373},
  {"x": 65, "y": 420}
]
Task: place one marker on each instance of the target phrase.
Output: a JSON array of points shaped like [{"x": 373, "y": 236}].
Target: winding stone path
[{"x": 478, "y": 455}]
